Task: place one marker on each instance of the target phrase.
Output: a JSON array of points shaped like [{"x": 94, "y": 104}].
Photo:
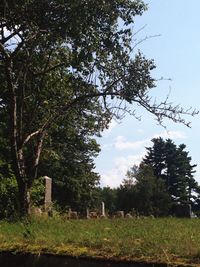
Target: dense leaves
[
  {"x": 61, "y": 56},
  {"x": 163, "y": 179},
  {"x": 172, "y": 164}
]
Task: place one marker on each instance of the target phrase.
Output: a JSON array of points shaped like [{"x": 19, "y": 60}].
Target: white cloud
[
  {"x": 111, "y": 179},
  {"x": 171, "y": 135},
  {"x": 114, "y": 177},
  {"x": 121, "y": 143},
  {"x": 116, "y": 174}
]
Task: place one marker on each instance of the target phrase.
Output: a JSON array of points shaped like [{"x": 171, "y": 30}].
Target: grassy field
[{"x": 167, "y": 240}]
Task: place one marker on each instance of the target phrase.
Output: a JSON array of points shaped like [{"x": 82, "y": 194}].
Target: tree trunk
[{"x": 24, "y": 199}]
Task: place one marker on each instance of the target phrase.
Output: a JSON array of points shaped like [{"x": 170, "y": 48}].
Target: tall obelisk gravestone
[{"x": 48, "y": 193}]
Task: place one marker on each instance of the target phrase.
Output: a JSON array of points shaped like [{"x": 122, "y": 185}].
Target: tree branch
[
  {"x": 26, "y": 140},
  {"x": 15, "y": 32},
  {"x": 3, "y": 51}
]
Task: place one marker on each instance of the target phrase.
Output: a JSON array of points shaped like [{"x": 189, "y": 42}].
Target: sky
[{"x": 175, "y": 25}]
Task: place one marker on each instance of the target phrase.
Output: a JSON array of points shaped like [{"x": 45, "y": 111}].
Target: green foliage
[
  {"x": 151, "y": 193},
  {"x": 69, "y": 67},
  {"x": 68, "y": 158},
  {"x": 142, "y": 192},
  {"x": 109, "y": 197},
  {"x": 172, "y": 164},
  {"x": 126, "y": 198},
  {"x": 9, "y": 195},
  {"x": 37, "y": 192},
  {"x": 8, "y": 198}
]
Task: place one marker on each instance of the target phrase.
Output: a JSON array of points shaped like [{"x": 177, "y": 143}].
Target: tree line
[
  {"x": 64, "y": 75},
  {"x": 163, "y": 179}
]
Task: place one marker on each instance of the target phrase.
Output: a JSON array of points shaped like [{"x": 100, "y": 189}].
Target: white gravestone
[{"x": 103, "y": 209}]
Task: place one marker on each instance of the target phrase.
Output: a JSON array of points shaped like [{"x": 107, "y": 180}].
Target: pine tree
[
  {"x": 155, "y": 156},
  {"x": 172, "y": 164}
]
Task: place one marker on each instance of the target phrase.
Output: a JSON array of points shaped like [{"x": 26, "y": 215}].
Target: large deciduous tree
[
  {"x": 59, "y": 56},
  {"x": 68, "y": 153}
]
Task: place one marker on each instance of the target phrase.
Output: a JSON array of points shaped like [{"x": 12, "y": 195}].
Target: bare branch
[
  {"x": 165, "y": 109},
  {"x": 144, "y": 39},
  {"x": 26, "y": 140}
]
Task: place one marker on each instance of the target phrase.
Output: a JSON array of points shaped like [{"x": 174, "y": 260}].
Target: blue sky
[{"x": 177, "y": 56}]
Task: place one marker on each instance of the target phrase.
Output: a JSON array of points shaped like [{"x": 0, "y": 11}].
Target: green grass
[{"x": 168, "y": 240}]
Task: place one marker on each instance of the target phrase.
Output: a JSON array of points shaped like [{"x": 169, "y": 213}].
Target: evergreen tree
[
  {"x": 172, "y": 164},
  {"x": 61, "y": 60}
]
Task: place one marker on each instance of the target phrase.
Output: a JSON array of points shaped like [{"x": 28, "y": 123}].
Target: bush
[
  {"x": 37, "y": 192},
  {"x": 8, "y": 194}
]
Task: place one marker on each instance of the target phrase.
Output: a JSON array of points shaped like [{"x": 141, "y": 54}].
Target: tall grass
[{"x": 161, "y": 240}]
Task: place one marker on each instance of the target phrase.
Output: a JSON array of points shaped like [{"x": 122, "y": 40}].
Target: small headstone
[{"x": 48, "y": 192}]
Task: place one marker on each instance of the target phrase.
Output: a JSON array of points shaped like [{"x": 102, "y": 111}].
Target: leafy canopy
[{"x": 60, "y": 57}]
